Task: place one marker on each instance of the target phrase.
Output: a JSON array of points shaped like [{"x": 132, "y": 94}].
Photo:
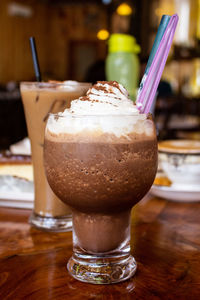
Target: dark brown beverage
[{"x": 112, "y": 176}]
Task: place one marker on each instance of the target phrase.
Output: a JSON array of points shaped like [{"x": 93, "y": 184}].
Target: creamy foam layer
[
  {"x": 54, "y": 85},
  {"x": 104, "y": 98},
  {"x": 105, "y": 109}
]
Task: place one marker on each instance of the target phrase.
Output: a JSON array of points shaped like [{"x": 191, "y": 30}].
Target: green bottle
[{"x": 122, "y": 63}]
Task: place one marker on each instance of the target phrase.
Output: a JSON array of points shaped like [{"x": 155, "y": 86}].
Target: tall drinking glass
[
  {"x": 101, "y": 176},
  {"x": 40, "y": 99}
]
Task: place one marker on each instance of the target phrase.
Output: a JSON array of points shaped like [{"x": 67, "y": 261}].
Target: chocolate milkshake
[
  {"x": 101, "y": 159},
  {"x": 40, "y": 99}
]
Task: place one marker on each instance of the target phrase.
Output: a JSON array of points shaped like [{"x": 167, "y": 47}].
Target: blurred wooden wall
[{"x": 55, "y": 27}]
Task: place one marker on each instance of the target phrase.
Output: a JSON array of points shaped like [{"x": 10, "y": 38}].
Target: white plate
[
  {"x": 175, "y": 193},
  {"x": 16, "y": 203},
  {"x": 16, "y": 192}
]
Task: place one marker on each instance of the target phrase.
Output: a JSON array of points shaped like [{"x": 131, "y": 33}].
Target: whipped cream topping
[
  {"x": 106, "y": 108},
  {"x": 104, "y": 98}
]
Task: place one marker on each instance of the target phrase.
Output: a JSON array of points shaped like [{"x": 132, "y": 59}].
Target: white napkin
[{"x": 22, "y": 147}]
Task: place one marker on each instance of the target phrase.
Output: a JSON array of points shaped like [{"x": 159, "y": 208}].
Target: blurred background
[{"x": 72, "y": 43}]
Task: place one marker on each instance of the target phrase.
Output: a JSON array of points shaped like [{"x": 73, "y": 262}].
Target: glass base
[
  {"x": 101, "y": 269},
  {"x": 59, "y": 224}
]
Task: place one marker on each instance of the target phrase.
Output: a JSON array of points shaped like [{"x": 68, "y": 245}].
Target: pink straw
[{"x": 148, "y": 92}]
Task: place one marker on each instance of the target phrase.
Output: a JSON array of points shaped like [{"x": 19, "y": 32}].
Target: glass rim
[
  {"x": 57, "y": 115},
  {"x": 56, "y": 83}
]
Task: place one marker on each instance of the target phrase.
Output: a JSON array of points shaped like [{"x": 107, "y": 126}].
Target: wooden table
[{"x": 165, "y": 243}]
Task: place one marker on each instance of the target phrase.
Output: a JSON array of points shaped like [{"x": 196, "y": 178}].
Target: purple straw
[{"x": 147, "y": 94}]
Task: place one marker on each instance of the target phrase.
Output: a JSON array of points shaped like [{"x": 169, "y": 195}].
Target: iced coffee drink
[
  {"x": 101, "y": 159},
  {"x": 40, "y": 99}
]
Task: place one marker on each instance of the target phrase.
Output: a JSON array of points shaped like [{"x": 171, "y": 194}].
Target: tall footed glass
[{"x": 101, "y": 176}]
